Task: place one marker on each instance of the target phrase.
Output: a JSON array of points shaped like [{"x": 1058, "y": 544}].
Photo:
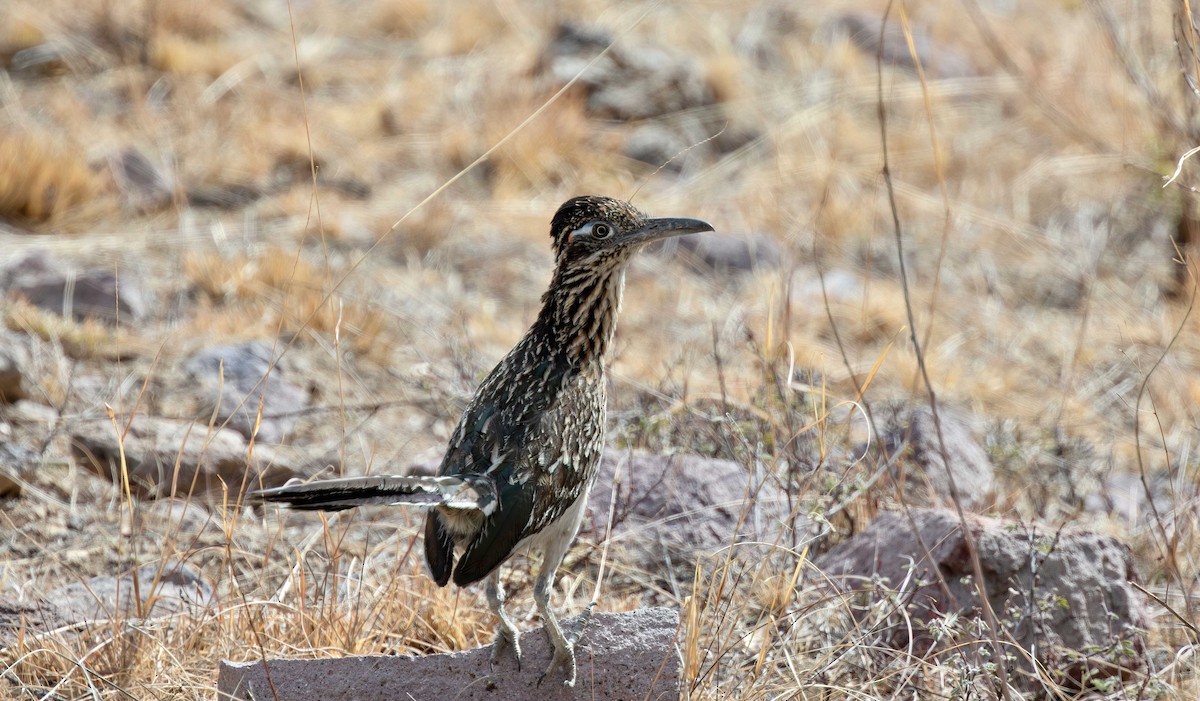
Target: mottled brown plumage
[{"x": 522, "y": 461}]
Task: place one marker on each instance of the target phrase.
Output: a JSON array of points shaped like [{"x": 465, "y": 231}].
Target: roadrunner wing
[
  {"x": 506, "y": 422},
  {"x": 499, "y": 535}
]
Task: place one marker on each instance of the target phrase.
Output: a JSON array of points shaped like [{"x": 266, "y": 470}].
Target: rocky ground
[{"x": 244, "y": 241}]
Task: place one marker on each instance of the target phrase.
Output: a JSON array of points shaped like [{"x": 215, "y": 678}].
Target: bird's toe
[
  {"x": 563, "y": 659},
  {"x": 505, "y": 642}
]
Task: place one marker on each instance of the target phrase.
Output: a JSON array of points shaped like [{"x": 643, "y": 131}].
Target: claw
[
  {"x": 566, "y": 660},
  {"x": 506, "y": 639}
]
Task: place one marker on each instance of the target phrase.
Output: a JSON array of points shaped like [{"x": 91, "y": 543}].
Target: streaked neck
[{"x": 579, "y": 312}]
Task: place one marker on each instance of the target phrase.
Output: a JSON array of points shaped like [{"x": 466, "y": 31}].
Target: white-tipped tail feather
[{"x": 389, "y": 490}]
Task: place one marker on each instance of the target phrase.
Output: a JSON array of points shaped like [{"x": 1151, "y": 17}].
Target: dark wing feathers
[
  {"x": 506, "y": 422},
  {"x": 439, "y": 549},
  {"x": 499, "y": 535}
]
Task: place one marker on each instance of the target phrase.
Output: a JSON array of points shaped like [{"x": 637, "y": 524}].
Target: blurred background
[{"x": 344, "y": 208}]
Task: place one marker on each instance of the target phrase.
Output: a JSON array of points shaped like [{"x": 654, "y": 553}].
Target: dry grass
[
  {"x": 1037, "y": 242},
  {"x": 278, "y": 291},
  {"x": 84, "y": 340},
  {"x": 43, "y": 181}
]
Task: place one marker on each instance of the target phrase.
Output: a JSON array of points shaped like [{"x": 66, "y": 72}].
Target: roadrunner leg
[
  {"x": 506, "y": 633},
  {"x": 543, "y": 588}
]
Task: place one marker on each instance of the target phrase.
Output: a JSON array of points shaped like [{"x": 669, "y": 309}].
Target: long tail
[{"x": 349, "y": 492}]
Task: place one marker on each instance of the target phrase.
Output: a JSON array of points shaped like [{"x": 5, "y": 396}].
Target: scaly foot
[
  {"x": 564, "y": 658},
  {"x": 506, "y": 638},
  {"x": 584, "y": 620}
]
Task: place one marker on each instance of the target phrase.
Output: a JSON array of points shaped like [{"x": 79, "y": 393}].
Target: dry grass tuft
[
  {"x": 402, "y": 18},
  {"x": 182, "y": 55},
  {"x": 195, "y": 18},
  {"x": 84, "y": 340},
  {"x": 724, "y": 73},
  {"x": 465, "y": 27},
  {"x": 278, "y": 290},
  {"x": 43, "y": 181}
]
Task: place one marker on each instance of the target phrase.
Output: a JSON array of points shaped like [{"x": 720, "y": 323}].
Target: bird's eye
[{"x": 601, "y": 231}]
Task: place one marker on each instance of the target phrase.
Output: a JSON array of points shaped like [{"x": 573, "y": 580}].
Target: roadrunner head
[
  {"x": 602, "y": 232},
  {"x": 594, "y": 239}
]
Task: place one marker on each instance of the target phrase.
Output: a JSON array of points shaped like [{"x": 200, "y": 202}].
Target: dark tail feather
[{"x": 349, "y": 492}]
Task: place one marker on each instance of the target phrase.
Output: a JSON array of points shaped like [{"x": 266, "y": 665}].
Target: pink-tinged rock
[
  {"x": 669, "y": 510},
  {"x": 107, "y": 295},
  {"x": 167, "y": 457},
  {"x": 1067, "y": 598},
  {"x": 150, "y": 591},
  {"x": 621, "y": 656}
]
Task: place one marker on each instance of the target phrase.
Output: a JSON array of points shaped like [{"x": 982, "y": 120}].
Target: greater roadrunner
[{"x": 522, "y": 461}]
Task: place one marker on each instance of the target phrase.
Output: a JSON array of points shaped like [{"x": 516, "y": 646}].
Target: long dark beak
[{"x": 666, "y": 227}]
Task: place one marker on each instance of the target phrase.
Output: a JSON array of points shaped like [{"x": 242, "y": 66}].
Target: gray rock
[
  {"x": 161, "y": 590},
  {"x": 1173, "y": 500},
  {"x": 172, "y": 516},
  {"x": 10, "y": 378},
  {"x": 231, "y": 196},
  {"x": 762, "y": 35},
  {"x": 46, "y": 59},
  {"x": 143, "y": 185},
  {"x": 938, "y": 60},
  {"x": 669, "y": 510},
  {"x": 99, "y": 294},
  {"x": 621, "y": 656},
  {"x": 1080, "y": 613},
  {"x": 18, "y": 619},
  {"x": 166, "y": 457},
  {"x": 625, "y": 84},
  {"x": 839, "y": 286},
  {"x": 923, "y": 468},
  {"x": 15, "y": 461},
  {"x": 656, "y": 145},
  {"x": 235, "y": 379}
]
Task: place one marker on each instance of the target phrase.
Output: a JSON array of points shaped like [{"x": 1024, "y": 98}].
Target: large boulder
[
  {"x": 236, "y": 380},
  {"x": 620, "y": 656},
  {"x": 103, "y": 294},
  {"x": 166, "y": 457},
  {"x": 936, "y": 465},
  {"x": 668, "y": 510},
  {"x": 1068, "y": 598}
]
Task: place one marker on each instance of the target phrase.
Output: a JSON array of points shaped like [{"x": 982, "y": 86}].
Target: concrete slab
[{"x": 622, "y": 657}]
